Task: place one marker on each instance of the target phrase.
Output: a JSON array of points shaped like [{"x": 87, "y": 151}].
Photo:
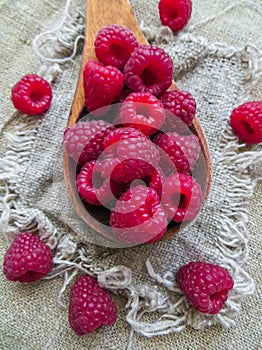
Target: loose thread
[{"x": 192, "y": 27}]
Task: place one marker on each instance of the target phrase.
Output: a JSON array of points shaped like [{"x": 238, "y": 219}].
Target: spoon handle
[{"x": 100, "y": 13}]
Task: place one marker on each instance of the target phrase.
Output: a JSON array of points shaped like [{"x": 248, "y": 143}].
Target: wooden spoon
[{"x": 100, "y": 13}]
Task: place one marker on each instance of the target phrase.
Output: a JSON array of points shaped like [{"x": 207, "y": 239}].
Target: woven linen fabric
[{"x": 218, "y": 59}]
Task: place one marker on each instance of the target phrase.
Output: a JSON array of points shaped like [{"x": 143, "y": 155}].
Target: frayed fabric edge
[{"x": 62, "y": 41}]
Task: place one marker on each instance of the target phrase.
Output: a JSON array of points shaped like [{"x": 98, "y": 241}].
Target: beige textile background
[{"x": 35, "y": 320}]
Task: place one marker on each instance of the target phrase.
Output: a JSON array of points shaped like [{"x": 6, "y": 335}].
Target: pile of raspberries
[{"x": 137, "y": 159}]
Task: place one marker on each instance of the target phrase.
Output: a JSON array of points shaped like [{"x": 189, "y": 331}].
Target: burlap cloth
[{"x": 218, "y": 59}]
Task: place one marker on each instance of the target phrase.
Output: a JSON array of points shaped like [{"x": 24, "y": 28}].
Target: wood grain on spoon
[{"x": 100, "y": 13}]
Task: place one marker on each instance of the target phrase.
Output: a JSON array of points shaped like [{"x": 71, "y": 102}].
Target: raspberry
[
  {"x": 90, "y": 306},
  {"x": 182, "y": 197},
  {"x": 138, "y": 216},
  {"x": 114, "y": 45},
  {"x": 205, "y": 285},
  {"x": 129, "y": 155},
  {"x": 84, "y": 140},
  {"x": 117, "y": 106},
  {"x": 142, "y": 111},
  {"x": 246, "y": 122},
  {"x": 149, "y": 69},
  {"x": 32, "y": 94},
  {"x": 155, "y": 180},
  {"x": 182, "y": 150},
  {"x": 28, "y": 259},
  {"x": 102, "y": 85},
  {"x": 116, "y": 135},
  {"x": 182, "y": 107},
  {"x": 175, "y": 13},
  {"x": 95, "y": 189}
]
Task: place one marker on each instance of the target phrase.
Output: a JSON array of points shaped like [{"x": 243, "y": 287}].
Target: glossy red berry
[
  {"x": 175, "y": 13},
  {"x": 205, "y": 285},
  {"x": 114, "y": 45},
  {"x": 246, "y": 122},
  {"x": 32, "y": 94}
]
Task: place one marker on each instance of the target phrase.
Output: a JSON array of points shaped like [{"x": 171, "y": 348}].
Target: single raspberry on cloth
[
  {"x": 114, "y": 45},
  {"x": 102, "y": 85},
  {"x": 181, "y": 107},
  {"x": 84, "y": 140},
  {"x": 90, "y": 306},
  {"x": 149, "y": 69},
  {"x": 205, "y": 285},
  {"x": 175, "y": 13},
  {"x": 183, "y": 151},
  {"x": 246, "y": 122},
  {"x": 138, "y": 217},
  {"x": 28, "y": 259},
  {"x": 93, "y": 187},
  {"x": 181, "y": 197},
  {"x": 32, "y": 94},
  {"x": 142, "y": 111}
]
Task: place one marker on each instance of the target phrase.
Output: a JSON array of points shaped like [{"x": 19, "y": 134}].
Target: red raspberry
[
  {"x": 84, "y": 140},
  {"x": 149, "y": 69},
  {"x": 181, "y": 197},
  {"x": 93, "y": 187},
  {"x": 102, "y": 85},
  {"x": 32, "y": 94},
  {"x": 138, "y": 216},
  {"x": 155, "y": 180},
  {"x": 129, "y": 154},
  {"x": 206, "y": 286},
  {"x": 116, "y": 135},
  {"x": 142, "y": 111},
  {"x": 114, "y": 45},
  {"x": 175, "y": 13},
  {"x": 246, "y": 122},
  {"x": 182, "y": 150},
  {"x": 182, "y": 108},
  {"x": 90, "y": 306},
  {"x": 28, "y": 259}
]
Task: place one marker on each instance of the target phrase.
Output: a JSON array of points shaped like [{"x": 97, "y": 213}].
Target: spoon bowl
[{"x": 98, "y": 15}]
